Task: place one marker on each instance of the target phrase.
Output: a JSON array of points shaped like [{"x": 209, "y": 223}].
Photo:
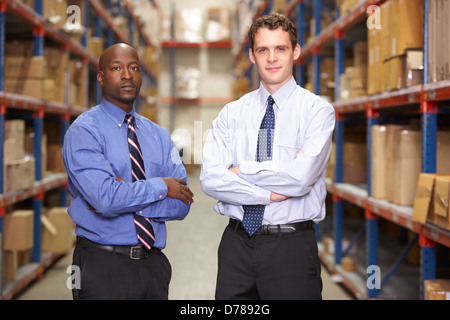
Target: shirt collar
[
  {"x": 280, "y": 96},
  {"x": 115, "y": 113}
]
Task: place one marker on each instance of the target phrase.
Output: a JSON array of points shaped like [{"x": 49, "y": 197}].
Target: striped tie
[
  {"x": 253, "y": 214},
  {"x": 143, "y": 225}
]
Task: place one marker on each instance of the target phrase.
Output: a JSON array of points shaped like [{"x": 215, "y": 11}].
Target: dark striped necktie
[
  {"x": 143, "y": 225},
  {"x": 253, "y": 214}
]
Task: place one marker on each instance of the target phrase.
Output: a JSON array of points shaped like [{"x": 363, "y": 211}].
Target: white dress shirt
[{"x": 302, "y": 120}]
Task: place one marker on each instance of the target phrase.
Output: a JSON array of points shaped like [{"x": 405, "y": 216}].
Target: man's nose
[
  {"x": 272, "y": 56},
  {"x": 126, "y": 74}
]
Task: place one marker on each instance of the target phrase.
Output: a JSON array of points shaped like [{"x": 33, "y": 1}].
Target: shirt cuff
[
  {"x": 159, "y": 188},
  {"x": 262, "y": 196}
]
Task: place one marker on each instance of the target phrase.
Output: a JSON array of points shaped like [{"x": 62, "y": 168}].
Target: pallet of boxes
[
  {"x": 395, "y": 45},
  {"x": 431, "y": 206},
  {"x": 18, "y": 227}
]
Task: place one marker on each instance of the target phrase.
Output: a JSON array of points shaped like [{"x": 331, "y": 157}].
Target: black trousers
[
  {"x": 269, "y": 267},
  {"x": 111, "y": 276}
]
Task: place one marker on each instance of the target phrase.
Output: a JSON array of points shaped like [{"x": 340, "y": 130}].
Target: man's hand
[
  {"x": 275, "y": 197},
  {"x": 177, "y": 188},
  {"x": 234, "y": 170}
]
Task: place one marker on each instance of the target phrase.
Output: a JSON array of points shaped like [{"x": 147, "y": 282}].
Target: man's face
[
  {"x": 121, "y": 77},
  {"x": 274, "y": 57}
]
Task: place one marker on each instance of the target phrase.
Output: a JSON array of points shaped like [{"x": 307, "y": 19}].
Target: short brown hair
[{"x": 272, "y": 21}]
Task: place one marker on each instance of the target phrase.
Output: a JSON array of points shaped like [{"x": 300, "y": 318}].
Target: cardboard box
[
  {"x": 58, "y": 231},
  {"x": 441, "y": 199},
  {"x": 346, "y": 5},
  {"x": 349, "y": 264},
  {"x": 217, "y": 26},
  {"x": 439, "y": 40},
  {"x": 437, "y": 289},
  {"x": 407, "y": 166},
  {"x": 10, "y": 265},
  {"x": 424, "y": 201},
  {"x": 443, "y": 152},
  {"x": 392, "y": 132},
  {"x": 375, "y": 71},
  {"x": 96, "y": 45},
  {"x": 355, "y": 162},
  {"x": 386, "y": 42},
  {"x": 14, "y": 140},
  {"x": 28, "y": 87},
  {"x": 379, "y": 164},
  {"x": 412, "y": 68},
  {"x": 18, "y": 230},
  {"x": 19, "y": 47},
  {"x": 54, "y": 158},
  {"x": 19, "y": 174},
  {"x": 406, "y": 25},
  {"x": 25, "y": 67},
  {"x": 405, "y": 70}
]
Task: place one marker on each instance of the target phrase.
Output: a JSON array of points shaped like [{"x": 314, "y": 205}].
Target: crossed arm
[
  {"x": 176, "y": 188},
  {"x": 274, "y": 197}
]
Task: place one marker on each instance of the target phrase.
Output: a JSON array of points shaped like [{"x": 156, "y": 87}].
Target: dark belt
[
  {"x": 276, "y": 229},
  {"x": 135, "y": 252}
]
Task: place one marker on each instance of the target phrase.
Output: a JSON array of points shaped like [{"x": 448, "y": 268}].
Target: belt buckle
[
  {"x": 131, "y": 253},
  {"x": 265, "y": 229}
]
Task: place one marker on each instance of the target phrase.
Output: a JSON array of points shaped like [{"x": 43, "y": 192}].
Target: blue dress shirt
[{"x": 95, "y": 153}]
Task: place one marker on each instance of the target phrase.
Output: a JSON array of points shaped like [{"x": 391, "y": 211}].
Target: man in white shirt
[{"x": 277, "y": 164}]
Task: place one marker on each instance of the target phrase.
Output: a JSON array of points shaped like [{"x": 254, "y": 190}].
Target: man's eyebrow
[{"x": 121, "y": 62}]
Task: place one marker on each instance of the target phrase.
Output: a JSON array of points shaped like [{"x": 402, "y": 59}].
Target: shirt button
[
  {"x": 160, "y": 196},
  {"x": 140, "y": 211}
]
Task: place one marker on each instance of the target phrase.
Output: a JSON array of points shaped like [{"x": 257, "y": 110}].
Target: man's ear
[
  {"x": 251, "y": 56},
  {"x": 100, "y": 77},
  {"x": 297, "y": 51}
]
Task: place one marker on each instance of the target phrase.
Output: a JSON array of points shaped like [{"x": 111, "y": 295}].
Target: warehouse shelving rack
[
  {"x": 172, "y": 45},
  {"x": 40, "y": 109},
  {"x": 173, "y": 100},
  {"x": 427, "y": 96}
]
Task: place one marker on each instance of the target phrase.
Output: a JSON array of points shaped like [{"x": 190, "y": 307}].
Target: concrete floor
[{"x": 192, "y": 250}]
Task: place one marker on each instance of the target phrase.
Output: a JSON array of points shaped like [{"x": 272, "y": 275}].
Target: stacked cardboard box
[
  {"x": 25, "y": 74},
  {"x": 77, "y": 85},
  {"x": 41, "y": 77},
  {"x": 346, "y": 5},
  {"x": 19, "y": 168},
  {"x": 437, "y": 289},
  {"x": 217, "y": 27},
  {"x": 354, "y": 163},
  {"x": 54, "y": 11},
  {"x": 439, "y": 40},
  {"x": 402, "y": 37},
  {"x": 354, "y": 79},
  {"x": 58, "y": 231},
  {"x": 96, "y": 45},
  {"x": 431, "y": 200},
  {"x": 56, "y": 73},
  {"x": 17, "y": 240},
  {"x": 375, "y": 69},
  {"x": 395, "y": 163}
]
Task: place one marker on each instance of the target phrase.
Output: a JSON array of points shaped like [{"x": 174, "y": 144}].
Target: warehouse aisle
[{"x": 192, "y": 250}]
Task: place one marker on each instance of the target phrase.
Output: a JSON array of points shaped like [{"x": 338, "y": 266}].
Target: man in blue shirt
[{"x": 108, "y": 200}]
